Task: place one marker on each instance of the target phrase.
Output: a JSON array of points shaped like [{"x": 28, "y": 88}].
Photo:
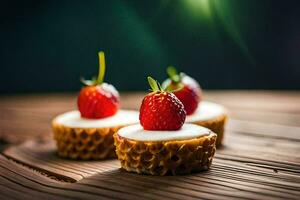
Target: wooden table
[{"x": 260, "y": 158}]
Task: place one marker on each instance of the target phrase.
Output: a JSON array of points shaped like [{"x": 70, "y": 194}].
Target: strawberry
[
  {"x": 190, "y": 92},
  {"x": 161, "y": 110},
  {"x": 98, "y": 99}
]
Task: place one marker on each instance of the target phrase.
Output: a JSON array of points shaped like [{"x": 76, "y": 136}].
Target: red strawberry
[
  {"x": 98, "y": 99},
  {"x": 161, "y": 110},
  {"x": 190, "y": 92},
  {"x": 189, "y": 99}
]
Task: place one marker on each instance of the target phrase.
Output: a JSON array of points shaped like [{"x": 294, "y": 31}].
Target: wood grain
[
  {"x": 29, "y": 116},
  {"x": 259, "y": 160}
]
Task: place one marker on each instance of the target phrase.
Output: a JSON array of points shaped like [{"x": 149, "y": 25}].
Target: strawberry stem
[
  {"x": 101, "y": 73},
  {"x": 101, "y": 67}
]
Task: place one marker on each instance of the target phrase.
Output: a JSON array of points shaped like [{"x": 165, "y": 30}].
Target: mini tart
[
  {"x": 212, "y": 116},
  {"x": 190, "y": 149},
  {"x": 89, "y": 139}
]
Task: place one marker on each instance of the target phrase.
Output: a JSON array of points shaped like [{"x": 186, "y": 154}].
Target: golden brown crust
[
  {"x": 166, "y": 157},
  {"x": 217, "y": 125},
  {"x": 84, "y": 143}
]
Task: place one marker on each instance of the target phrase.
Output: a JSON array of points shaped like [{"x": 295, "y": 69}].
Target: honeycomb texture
[
  {"x": 217, "y": 125},
  {"x": 166, "y": 157},
  {"x": 84, "y": 144}
]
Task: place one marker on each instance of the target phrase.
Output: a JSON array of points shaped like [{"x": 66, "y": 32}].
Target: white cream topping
[
  {"x": 73, "y": 119},
  {"x": 188, "y": 131},
  {"x": 206, "y": 111}
]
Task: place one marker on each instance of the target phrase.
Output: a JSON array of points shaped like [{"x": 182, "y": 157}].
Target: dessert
[
  {"x": 162, "y": 144},
  {"x": 89, "y": 139},
  {"x": 87, "y": 133},
  {"x": 187, "y": 90},
  {"x": 210, "y": 115}
]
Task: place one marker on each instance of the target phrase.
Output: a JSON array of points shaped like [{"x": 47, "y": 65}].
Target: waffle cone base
[
  {"x": 166, "y": 157},
  {"x": 217, "y": 125},
  {"x": 84, "y": 143}
]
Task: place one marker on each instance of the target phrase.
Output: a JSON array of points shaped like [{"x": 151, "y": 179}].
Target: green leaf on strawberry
[
  {"x": 173, "y": 74},
  {"x": 156, "y": 86},
  {"x": 153, "y": 84}
]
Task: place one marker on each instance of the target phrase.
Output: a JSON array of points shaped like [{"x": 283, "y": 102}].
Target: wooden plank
[
  {"x": 254, "y": 144},
  {"x": 23, "y": 180},
  {"x": 259, "y": 160},
  {"x": 29, "y": 116},
  {"x": 271, "y": 101},
  {"x": 211, "y": 183},
  {"x": 236, "y": 173},
  {"x": 278, "y": 118},
  {"x": 42, "y": 157},
  {"x": 265, "y": 129},
  {"x": 241, "y": 148}
]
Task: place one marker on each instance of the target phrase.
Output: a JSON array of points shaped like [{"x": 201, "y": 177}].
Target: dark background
[{"x": 224, "y": 44}]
